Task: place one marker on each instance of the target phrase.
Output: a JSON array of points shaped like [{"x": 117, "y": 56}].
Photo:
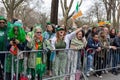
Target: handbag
[{"x": 14, "y": 50}]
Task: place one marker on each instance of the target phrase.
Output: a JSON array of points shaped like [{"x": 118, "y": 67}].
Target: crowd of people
[{"x": 57, "y": 62}]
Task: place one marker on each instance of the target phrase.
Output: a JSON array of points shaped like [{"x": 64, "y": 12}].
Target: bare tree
[
  {"x": 10, "y": 6},
  {"x": 2, "y": 11},
  {"x": 118, "y": 14},
  {"x": 66, "y": 10},
  {"x": 24, "y": 12},
  {"x": 95, "y": 13},
  {"x": 108, "y": 7},
  {"x": 112, "y": 10},
  {"x": 54, "y": 11}
]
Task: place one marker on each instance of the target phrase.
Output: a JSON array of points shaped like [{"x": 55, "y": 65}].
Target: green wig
[{"x": 21, "y": 36}]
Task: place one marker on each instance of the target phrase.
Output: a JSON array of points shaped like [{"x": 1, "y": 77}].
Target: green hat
[
  {"x": 3, "y": 18},
  {"x": 59, "y": 29},
  {"x": 48, "y": 23},
  {"x": 108, "y": 22},
  {"x": 36, "y": 26},
  {"x": 17, "y": 24}
]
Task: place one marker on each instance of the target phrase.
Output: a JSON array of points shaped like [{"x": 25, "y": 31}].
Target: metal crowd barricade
[
  {"x": 104, "y": 60},
  {"x": 68, "y": 73},
  {"x": 7, "y": 53}
]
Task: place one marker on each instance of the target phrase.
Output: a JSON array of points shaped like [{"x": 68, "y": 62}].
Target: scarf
[
  {"x": 78, "y": 43},
  {"x": 40, "y": 67}
]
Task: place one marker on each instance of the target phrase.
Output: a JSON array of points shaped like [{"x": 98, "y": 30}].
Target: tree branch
[
  {"x": 65, "y": 4},
  {"x": 70, "y": 5},
  {"x": 18, "y": 3},
  {"x": 74, "y": 11},
  {"x": 12, "y": 4},
  {"x": 6, "y": 5},
  {"x": 80, "y": 3},
  {"x": 62, "y": 8},
  {"x": 71, "y": 15}
]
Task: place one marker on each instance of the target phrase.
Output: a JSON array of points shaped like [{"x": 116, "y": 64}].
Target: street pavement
[{"x": 108, "y": 76}]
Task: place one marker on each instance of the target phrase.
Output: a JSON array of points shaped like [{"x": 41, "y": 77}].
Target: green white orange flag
[
  {"x": 78, "y": 12},
  {"x": 77, "y": 15},
  {"x": 77, "y": 7}
]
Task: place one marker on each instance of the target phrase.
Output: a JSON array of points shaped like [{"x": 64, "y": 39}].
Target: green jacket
[{"x": 3, "y": 39}]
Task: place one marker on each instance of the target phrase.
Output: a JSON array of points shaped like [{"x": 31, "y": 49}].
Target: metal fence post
[
  {"x": 5, "y": 67},
  {"x": 12, "y": 70},
  {"x": 17, "y": 69}
]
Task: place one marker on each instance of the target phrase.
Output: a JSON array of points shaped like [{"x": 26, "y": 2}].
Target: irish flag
[
  {"x": 78, "y": 13},
  {"x": 77, "y": 7}
]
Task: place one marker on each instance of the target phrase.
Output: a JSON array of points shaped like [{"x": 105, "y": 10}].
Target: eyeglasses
[
  {"x": 2, "y": 22},
  {"x": 38, "y": 32}
]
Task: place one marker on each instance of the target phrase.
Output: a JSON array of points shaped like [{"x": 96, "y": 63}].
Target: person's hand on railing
[
  {"x": 98, "y": 49},
  {"x": 113, "y": 47},
  {"x": 47, "y": 50}
]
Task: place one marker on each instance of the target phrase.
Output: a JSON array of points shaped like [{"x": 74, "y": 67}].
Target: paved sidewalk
[{"x": 108, "y": 76}]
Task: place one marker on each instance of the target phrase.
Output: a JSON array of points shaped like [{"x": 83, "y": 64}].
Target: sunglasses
[
  {"x": 15, "y": 30},
  {"x": 38, "y": 32},
  {"x": 2, "y": 22}
]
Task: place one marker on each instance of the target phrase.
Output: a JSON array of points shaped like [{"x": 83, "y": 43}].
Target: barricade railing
[
  {"x": 103, "y": 60},
  {"x": 8, "y": 61},
  {"x": 69, "y": 60},
  {"x": 106, "y": 59}
]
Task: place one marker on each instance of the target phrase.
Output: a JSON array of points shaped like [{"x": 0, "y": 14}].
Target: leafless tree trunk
[
  {"x": 108, "y": 5},
  {"x": 114, "y": 13},
  {"x": 118, "y": 15},
  {"x": 54, "y": 11},
  {"x": 10, "y": 6}
]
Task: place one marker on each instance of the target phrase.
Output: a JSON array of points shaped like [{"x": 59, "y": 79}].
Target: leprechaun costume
[
  {"x": 35, "y": 65},
  {"x": 16, "y": 37}
]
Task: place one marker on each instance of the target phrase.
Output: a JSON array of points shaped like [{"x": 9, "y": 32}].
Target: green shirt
[
  {"x": 60, "y": 44},
  {"x": 3, "y": 39}
]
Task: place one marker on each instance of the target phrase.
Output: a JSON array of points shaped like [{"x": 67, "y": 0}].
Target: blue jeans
[
  {"x": 118, "y": 56},
  {"x": 115, "y": 57},
  {"x": 90, "y": 58}
]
